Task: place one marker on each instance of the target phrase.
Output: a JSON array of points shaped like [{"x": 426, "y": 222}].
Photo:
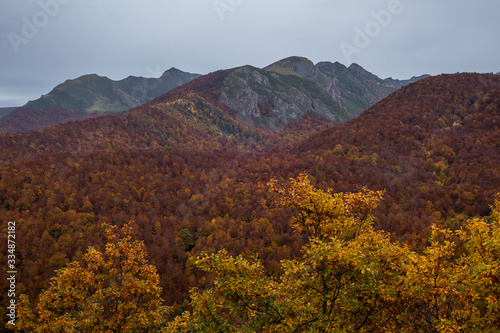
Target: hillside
[
  {"x": 433, "y": 145},
  {"x": 270, "y": 98},
  {"x": 191, "y": 176},
  {"x": 25, "y": 119},
  {"x": 90, "y": 95},
  {"x": 6, "y": 111}
]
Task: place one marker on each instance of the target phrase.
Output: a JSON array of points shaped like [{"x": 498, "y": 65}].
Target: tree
[
  {"x": 453, "y": 288},
  {"x": 346, "y": 279},
  {"x": 351, "y": 278},
  {"x": 481, "y": 270},
  {"x": 110, "y": 291}
]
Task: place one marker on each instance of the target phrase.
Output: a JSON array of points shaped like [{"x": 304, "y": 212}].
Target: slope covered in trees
[
  {"x": 192, "y": 177},
  {"x": 349, "y": 278},
  {"x": 25, "y": 119},
  {"x": 433, "y": 145}
]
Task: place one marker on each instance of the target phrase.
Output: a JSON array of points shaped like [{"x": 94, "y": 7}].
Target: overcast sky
[{"x": 45, "y": 42}]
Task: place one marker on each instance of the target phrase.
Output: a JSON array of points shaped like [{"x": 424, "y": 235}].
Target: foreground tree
[
  {"x": 346, "y": 279},
  {"x": 111, "y": 291},
  {"x": 352, "y": 278}
]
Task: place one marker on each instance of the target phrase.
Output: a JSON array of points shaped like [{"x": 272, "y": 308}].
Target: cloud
[{"x": 117, "y": 38}]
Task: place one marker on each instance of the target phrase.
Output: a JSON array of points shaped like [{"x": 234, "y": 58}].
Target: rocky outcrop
[{"x": 270, "y": 99}]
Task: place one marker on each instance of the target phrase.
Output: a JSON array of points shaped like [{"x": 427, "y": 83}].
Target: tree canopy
[
  {"x": 349, "y": 278},
  {"x": 114, "y": 290}
]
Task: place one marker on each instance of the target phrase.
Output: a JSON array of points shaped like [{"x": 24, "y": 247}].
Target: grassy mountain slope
[
  {"x": 93, "y": 94},
  {"x": 353, "y": 87},
  {"x": 90, "y": 95}
]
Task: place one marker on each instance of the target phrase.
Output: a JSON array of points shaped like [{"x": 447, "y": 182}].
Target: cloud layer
[{"x": 44, "y": 42}]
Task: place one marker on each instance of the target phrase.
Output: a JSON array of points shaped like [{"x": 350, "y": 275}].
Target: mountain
[
  {"x": 263, "y": 98},
  {"x": 190, "y": 175},
  {"x": 188, "y": 117},
  {"x": 94, "y": 94},
  {"x": 354, "y": 88},
  {"x": 90, "y": 95},
  {"x": 269, "y": 98}
]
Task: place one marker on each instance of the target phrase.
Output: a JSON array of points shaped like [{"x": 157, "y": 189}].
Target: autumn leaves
[
  {"x": 349, "y": 278},
  {"x": 352, "y": 278}
]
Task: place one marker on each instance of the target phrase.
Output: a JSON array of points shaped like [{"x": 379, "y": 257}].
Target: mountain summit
[
  {"x": 272, "y": 97},
  {"x": 94, "y": 94},
  {"x": 90, "y": 95}
]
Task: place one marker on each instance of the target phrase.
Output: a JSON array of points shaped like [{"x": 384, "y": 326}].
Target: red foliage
[
  {"x": 26, "y": 119},
  {"x": 434, "y": 146}
]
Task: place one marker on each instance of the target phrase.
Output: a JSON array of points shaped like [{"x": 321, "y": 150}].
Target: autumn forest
[{"x": 175, "y": 216}]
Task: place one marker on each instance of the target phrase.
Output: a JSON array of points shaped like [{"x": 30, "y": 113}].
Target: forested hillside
[{"x": 192, "y": 178}]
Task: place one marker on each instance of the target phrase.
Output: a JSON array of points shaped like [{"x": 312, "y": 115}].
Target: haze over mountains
[{"x": 271, "y": 97}]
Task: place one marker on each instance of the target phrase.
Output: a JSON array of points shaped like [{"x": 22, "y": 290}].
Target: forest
[{"x": 397, "y": 212}]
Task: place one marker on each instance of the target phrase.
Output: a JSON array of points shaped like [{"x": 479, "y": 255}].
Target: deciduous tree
[{"x": 114, "y": 290}]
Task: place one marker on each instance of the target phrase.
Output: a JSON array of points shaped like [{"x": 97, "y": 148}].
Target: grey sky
[{"x": 44, "y": 42}]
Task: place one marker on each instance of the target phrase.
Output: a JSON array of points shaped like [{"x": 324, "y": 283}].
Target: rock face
[
  {"x": 288, "y": 89},
  {"x": 268, "y": 99},
  {"x": 353, "y": 87},
  {"x": 93, "y": 94},
  {"x": 271, "y": 97}
]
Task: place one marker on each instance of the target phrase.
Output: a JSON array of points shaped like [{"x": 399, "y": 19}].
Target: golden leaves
[
  {"x": 353, "y": 278},
  {"x": 113, "y": 290}
]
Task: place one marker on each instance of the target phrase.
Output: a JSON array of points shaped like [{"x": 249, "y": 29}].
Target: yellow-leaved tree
[
  {"x": 115, "y": 290},
  {"x": 346, "y": 280},
  {"x": 352, "y": 278}
]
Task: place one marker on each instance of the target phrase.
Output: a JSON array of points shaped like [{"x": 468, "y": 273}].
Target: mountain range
[
  {"x": 271, "y": 97},
  {"x": 188, "y": 168}
]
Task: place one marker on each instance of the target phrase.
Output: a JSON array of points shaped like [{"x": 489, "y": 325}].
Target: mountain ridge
[
  {"x": 93, "y": 93},
  {"x": 271, "y": 97},
  {"x": 87, "y": 96}
]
